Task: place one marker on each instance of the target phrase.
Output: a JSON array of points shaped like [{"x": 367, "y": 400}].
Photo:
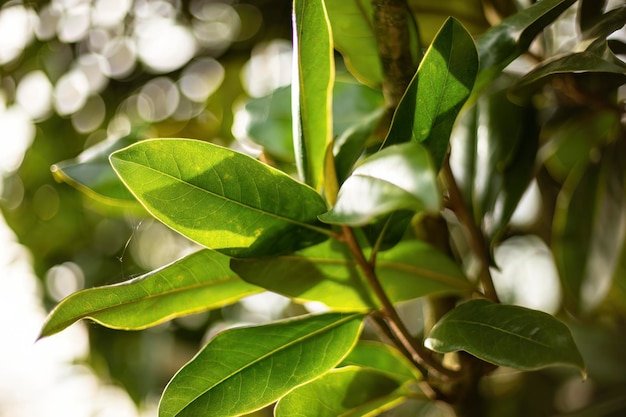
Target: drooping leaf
[
  {"x": 501, "y": 44},
  {"x": 328, "y": 274},
  {"x": 244, "y": 369},
  {"x": 441, "y": 86},
  {"x": 198, "y": 282},
  {"x": 586, "y": 62},
  {"x": 589, "y": 13},
  {"x": 91, "y": 173},
  {"x": 588, "y": 229},
  {"x": 382, "y": 358},
  {"x": 221, "y": 199},
  {"x": 400, "y": 177},
  {"x": 314, "y": 72},
  {"x": 348, "y": 392},
  {"x": 505, "y": 335}
]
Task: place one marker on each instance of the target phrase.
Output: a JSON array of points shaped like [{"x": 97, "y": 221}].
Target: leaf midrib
[
  {"x": 273, "y": 352},
  {"x": 217, "y": 196}
]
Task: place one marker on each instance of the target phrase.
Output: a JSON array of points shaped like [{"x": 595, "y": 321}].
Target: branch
[
  {"x": 475, "y": 236},
  {"x": 419, "y": 355},
  {"x": 391, "y": 26}
]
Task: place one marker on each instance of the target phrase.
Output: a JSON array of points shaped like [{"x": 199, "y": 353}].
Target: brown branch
[
  {"x": 475, "y": 236},
  {"x": 391, "y": 26},
  {"x": 418, "y": 354}
]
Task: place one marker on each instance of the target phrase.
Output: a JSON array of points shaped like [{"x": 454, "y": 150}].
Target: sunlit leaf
[
  {"x": 314, "y": 72},
  {"x": 197, "y": 282},
  {"x": 91, "y": 173},
  {"x": 219, "y": 198},
  {"x": 505, "y": 335},
  {"x": 436, "y": 94},
  {"x": 382, "y": 358},
  {"x": 244, "y": 369},
  {"x": 348, "y": 392},
  {"x": 400, "y": 177},
  {"x": 501, "y": 44},
  {"x": 327, "y": 273}
]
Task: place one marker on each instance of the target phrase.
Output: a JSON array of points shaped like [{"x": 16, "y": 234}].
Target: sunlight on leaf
[
  {"x": 244, "y": 369},
  {"x": 198, "y": 282}
]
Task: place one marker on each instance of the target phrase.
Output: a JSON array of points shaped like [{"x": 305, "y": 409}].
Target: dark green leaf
[
  {"x": 399, "y": 177},
  {"x": 501, "y": 44},
  {"x": 327, "y": 273},
  {"x": 92, "y": 174},
  {"x": 198, "y": 282},
  {"x": 382, "y": 358},
  {"x": 588, "y": 229},
  {"x": 603, "y": 25},
  {"x": 505, "y": 335},
  {"x": 586, "y": 62},
  {"x": 219, "y": 198},
  {"x": 244, "y": 369},
  {"x": 589, "y": 13},
  {"x": 347, "y": 392},
  {"x": 312, "y": 88},
  {"x": 436, "y": 94}
]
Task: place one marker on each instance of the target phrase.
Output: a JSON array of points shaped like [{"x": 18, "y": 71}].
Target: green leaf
[
  {"x": 348, "y": 392},
  {"x": 245, "y": 369},
  {"x": 221, "y": 199},
  {"x": 399, "y": 177},
  {"x": 382, "y": 358},
  {"x": 505, "y": 335},
  {"x": 441, "y": 86},
  {"x": 600, "y": 25},
  {"x": 494, "y": 150},
  {"x": 268, "y": 123},
  {"x": 314, "y": 71},
  {"x": 92, "y": 174},
  {"x": 328, "y": 274},
  {"x": 589, "y": 229},
  {"x": 586, "y": 62},
  {"x": 590, "y": 12},
  {"x": 501, "y": 44},
  {"x": 198, "y": 282}
]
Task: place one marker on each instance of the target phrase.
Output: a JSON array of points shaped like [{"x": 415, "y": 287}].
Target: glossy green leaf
[
  {"x": 314, "y": 72},
  {"x": 588, "y": 229},
  {"x": 327, "y": 273},
  {"x": 400, "y": 177},
  {"x": 441, "y": 86},
  {"x": 219, "y": 198},
  {"x": 505, "y": 335},
  {"x": 244, "y": 369},
  {"x": 198, "y": 282},
  {"x": 91, "y": 173},
  {"x": 348, "y": 392},
  {"x": 382, "y": 358},
  {"x": 501, "y": 44}
]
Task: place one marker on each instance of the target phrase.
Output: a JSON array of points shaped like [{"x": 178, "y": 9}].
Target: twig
[
  {"x": 475, "y": 236},
  {"x": 418, "y": 355}
]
